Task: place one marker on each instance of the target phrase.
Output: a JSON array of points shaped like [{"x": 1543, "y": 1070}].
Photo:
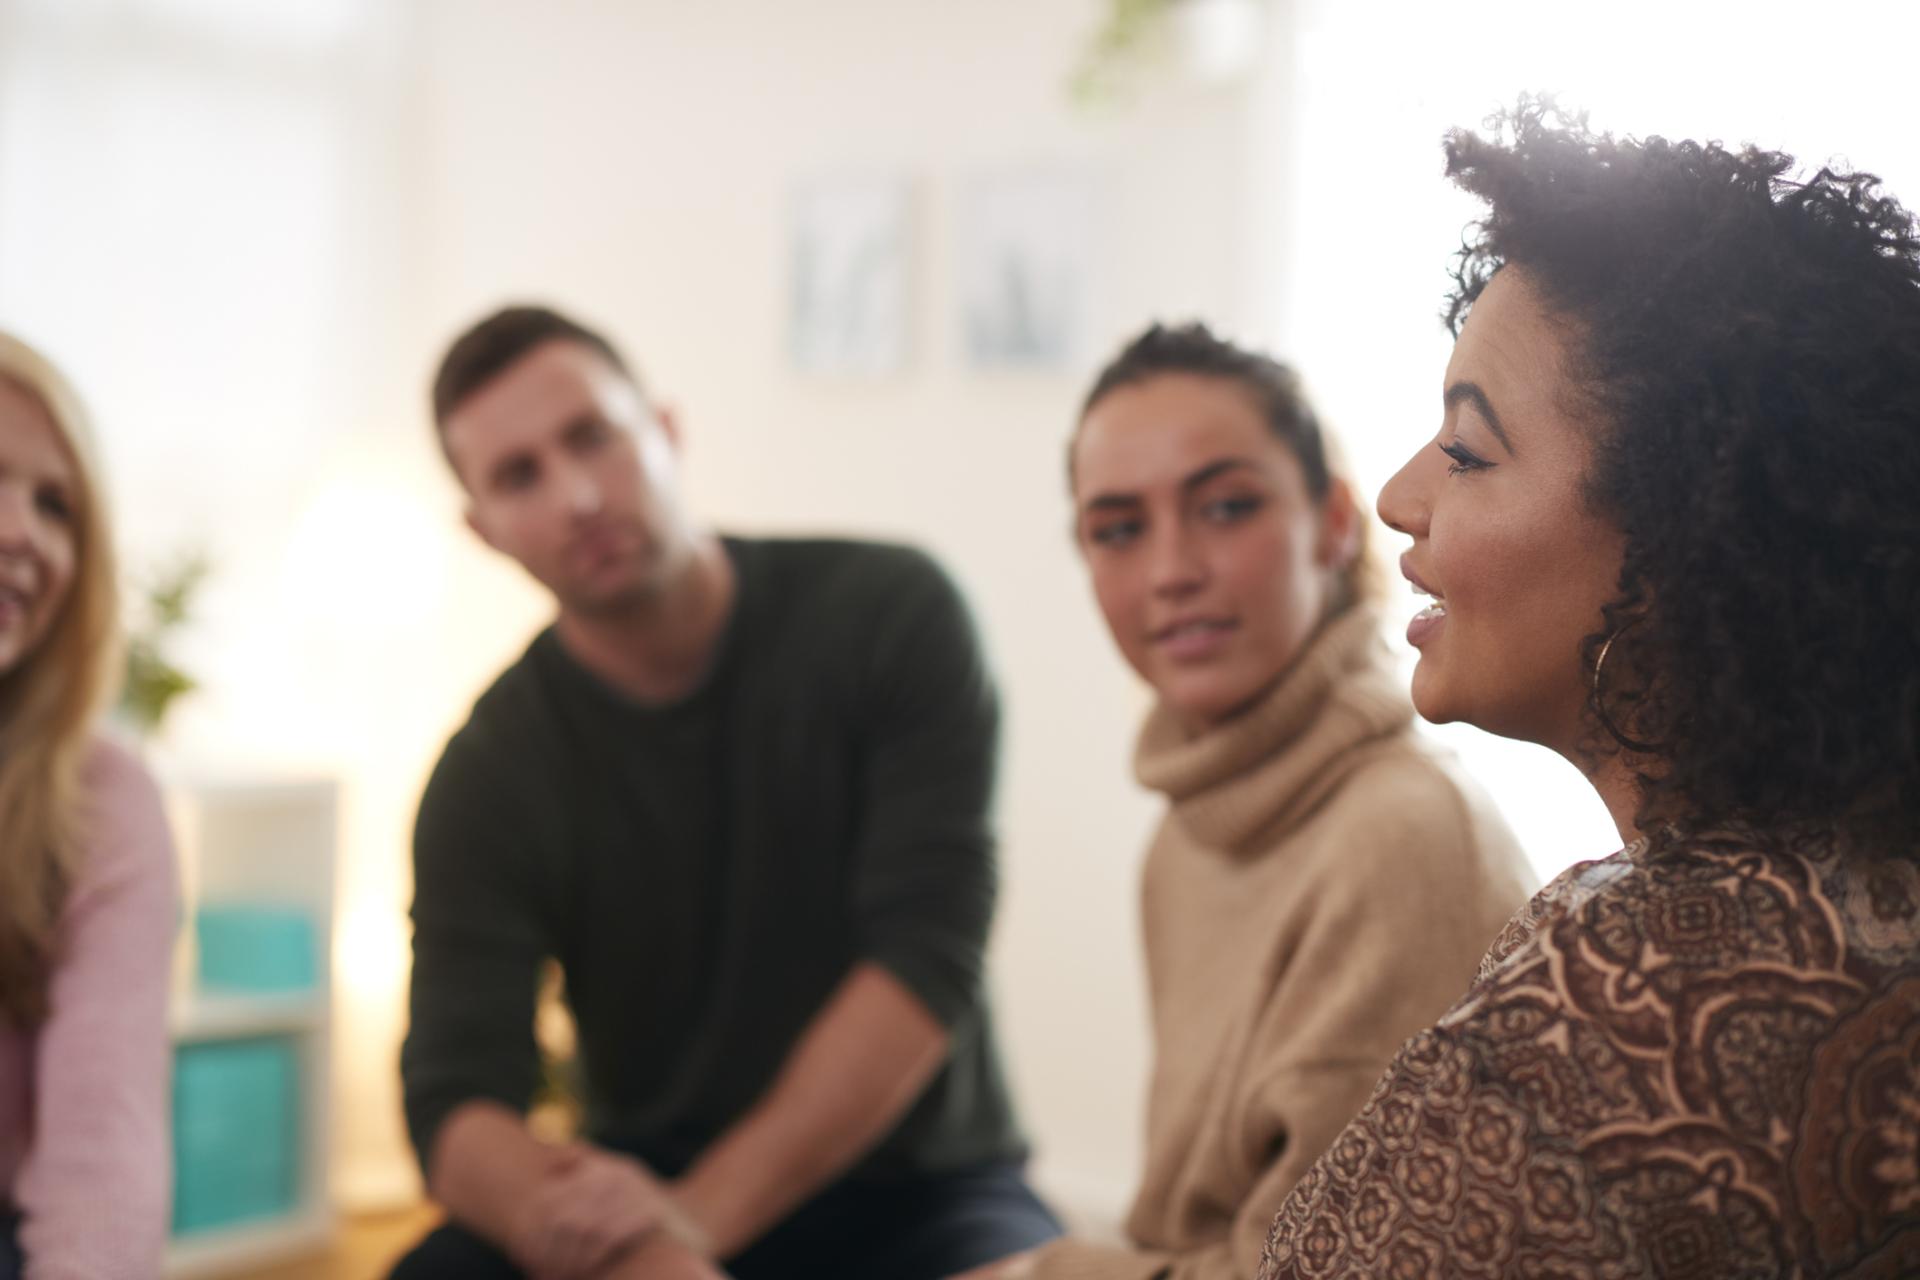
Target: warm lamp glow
[
  {"x": 370, "y": 954},
  {"x": 366, "y": 551}
]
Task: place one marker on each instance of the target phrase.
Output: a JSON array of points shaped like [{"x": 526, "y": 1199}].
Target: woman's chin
[
  {"x": 1201, "y": 703},
  {"x": 1430, "y": 695}
]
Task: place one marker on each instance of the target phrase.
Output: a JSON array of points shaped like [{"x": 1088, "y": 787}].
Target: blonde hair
[{"x": 47, "y": 708}]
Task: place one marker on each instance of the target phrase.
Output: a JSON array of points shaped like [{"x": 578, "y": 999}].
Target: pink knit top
[{"x": 83, "y": 1100}]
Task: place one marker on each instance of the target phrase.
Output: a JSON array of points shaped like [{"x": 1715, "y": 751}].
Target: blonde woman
[{"x": 86, "y": 874}]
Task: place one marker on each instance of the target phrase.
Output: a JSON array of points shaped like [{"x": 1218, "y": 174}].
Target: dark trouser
[
  {"x": 925, "y": 1228},
  {"x": 12, "y": 1264}
]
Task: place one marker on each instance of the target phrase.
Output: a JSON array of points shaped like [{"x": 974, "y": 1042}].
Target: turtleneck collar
[{"x": 1268, "y": 765}]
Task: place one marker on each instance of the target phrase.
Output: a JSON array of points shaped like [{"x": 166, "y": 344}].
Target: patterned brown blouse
[{"x": 1703, "y": 1064}]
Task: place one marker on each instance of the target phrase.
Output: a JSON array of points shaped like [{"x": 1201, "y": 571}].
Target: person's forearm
[
  {"x": 485, "y": 1167},
  {"x": 661, "y": 1257},
  {"x": 857, "y": 1068}
]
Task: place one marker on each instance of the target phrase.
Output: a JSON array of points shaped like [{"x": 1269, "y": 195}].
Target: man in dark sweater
[{"x": 740, "y": 791}]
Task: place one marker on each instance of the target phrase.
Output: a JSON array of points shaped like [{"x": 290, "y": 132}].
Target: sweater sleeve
[
  {"x": 93, "y": 1191},
  {"x": 1391, "y": 944},
  {"x": 1317, "y": 1103},
  {"x": 478, "y": 943},
  {"x": 924, "y": 878}
]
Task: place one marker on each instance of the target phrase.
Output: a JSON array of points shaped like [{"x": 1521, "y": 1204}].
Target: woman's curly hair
[{"x": 1748, "y": 345}]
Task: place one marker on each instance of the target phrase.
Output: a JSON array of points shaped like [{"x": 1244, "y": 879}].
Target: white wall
[{"x": 636, "y": 161}]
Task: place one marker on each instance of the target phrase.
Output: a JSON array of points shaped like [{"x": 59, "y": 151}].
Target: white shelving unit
[{"x": 260, "y": 842}]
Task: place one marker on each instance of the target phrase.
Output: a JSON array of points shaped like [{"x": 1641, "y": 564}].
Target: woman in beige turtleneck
[{"x": 1324, "y": 882}]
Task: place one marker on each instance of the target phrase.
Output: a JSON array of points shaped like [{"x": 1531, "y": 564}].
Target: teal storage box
[
  {"x": 255, "y": 948},
  {"x": 236, "y": 1126}
]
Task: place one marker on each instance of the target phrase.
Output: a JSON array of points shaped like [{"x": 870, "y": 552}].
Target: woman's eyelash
[
  {"x": 1462, "y": 459},
  {"x": 1233, "y": 508}
]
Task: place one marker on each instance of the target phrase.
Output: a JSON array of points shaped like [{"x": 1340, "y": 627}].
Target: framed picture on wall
[
  {"x": 852, "y": 268},
  {"x": 1024, "y": 262}
]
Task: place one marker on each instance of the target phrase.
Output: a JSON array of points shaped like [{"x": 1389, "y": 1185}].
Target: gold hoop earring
[
  {"x": 1600, "y": 664},
  {"x": 1599, "y": 704}
]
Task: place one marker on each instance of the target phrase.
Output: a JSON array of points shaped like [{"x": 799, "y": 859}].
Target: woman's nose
[
  {"x": 1177, "y": 566},
  {"x": 16, "y": 516},
  {"x": 1404, "y": 504}
]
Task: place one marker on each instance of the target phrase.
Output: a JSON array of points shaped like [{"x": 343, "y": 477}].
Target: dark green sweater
[{"x": 707, "y": 871}]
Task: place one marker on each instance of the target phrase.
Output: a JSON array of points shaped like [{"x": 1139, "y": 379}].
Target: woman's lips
[
  {"x": 1194, "y": 639},
  {"x": 1426, "y": 623},
  {"x": 13, "y": 608},
  {"x": 1407, "y": 572}
]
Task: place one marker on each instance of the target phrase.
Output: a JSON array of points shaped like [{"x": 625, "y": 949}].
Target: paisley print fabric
[{"x": 1700, "y": 1063}]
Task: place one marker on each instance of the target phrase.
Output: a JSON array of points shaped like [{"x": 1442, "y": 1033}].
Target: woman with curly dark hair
[{"x": 1671, "y": 529}]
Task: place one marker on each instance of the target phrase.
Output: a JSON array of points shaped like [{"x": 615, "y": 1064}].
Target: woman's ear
[{"x": 1340, "y": 527}]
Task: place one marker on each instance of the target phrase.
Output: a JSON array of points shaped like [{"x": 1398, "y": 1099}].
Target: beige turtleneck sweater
[{"x": 1321, "y": 888}]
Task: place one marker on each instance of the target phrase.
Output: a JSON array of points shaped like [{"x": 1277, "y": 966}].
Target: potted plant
[
  {"x": 1210, "y": 40},
  {"x": 151, "y": 683}
]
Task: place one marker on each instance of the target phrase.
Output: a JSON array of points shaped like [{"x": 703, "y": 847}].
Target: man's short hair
[{"x": 486, "y": 350}]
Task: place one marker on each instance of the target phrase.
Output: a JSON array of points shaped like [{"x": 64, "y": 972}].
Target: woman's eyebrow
[
  {"x": 1470, "y": 393},
  {"x": 1219, "y": 466}
]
